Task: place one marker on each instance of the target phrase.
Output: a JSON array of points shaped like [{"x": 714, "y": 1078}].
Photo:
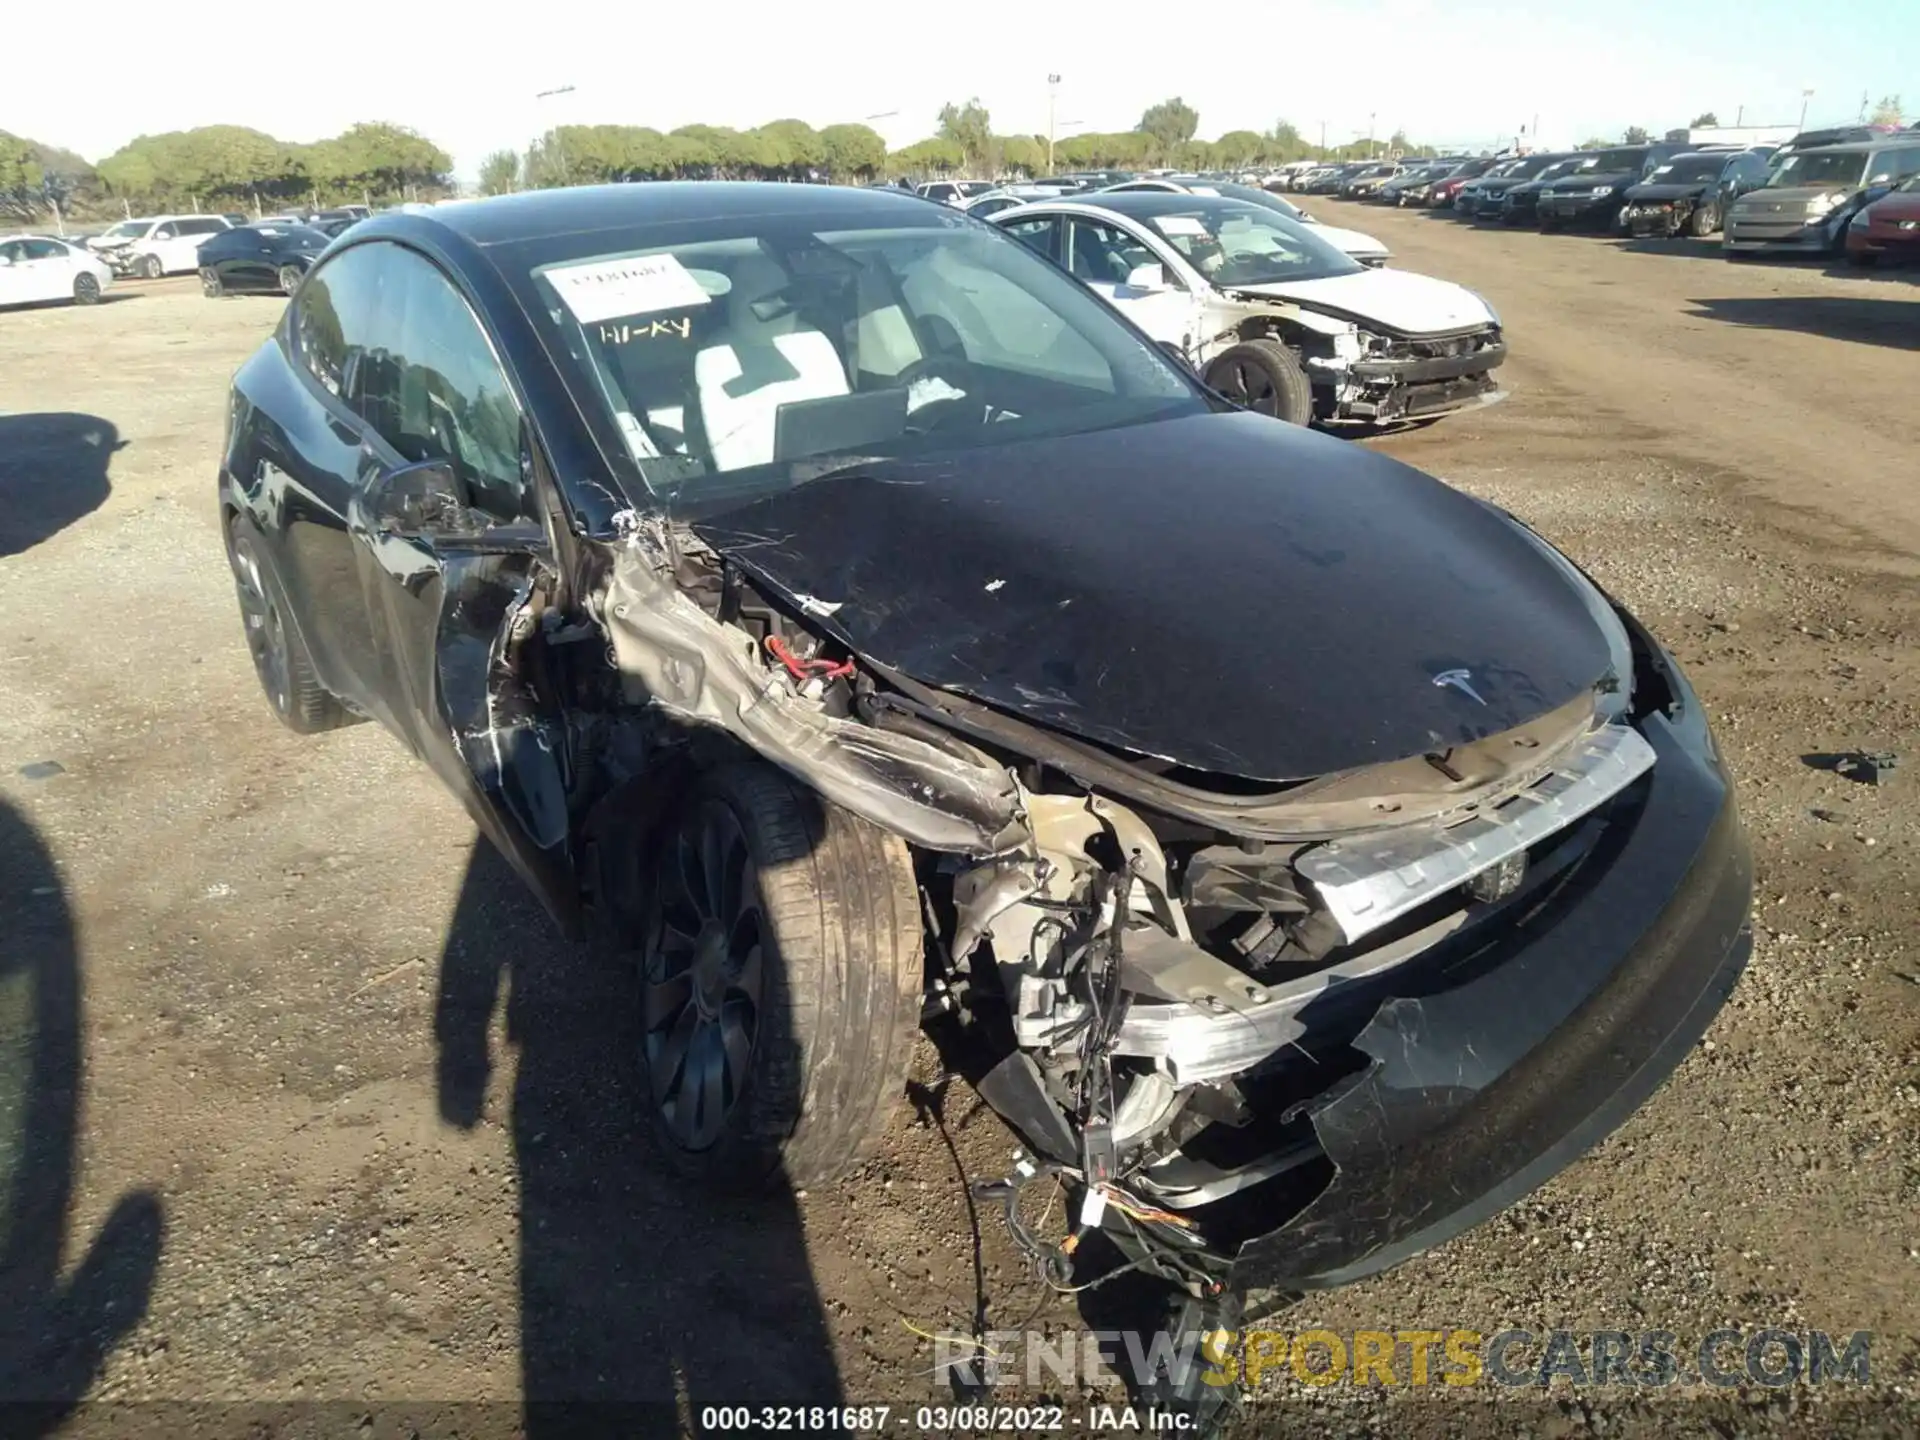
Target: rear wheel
[
  {"x": 280, "y": 656},
  {"x": 151, "y": 267},
  {"x": 289, "y": 279},
  {"x": 780, "y": 982},
  {"x": 1263, "y": 375},
  {"x": 86, "y": 289},
  {"x": 1704, "y": 220}
]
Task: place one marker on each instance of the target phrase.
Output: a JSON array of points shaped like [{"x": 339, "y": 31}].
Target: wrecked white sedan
[{"x": 1269, "y": 313}]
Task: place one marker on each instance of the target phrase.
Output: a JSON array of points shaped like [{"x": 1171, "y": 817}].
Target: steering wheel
[{"x": 937, "y": 413}]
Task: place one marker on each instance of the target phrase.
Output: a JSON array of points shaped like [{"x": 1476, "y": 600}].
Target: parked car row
[{"x": 1848, "y": 190}]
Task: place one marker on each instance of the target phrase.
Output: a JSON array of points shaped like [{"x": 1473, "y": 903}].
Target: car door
[
  {"x": 50, "y": 268},
  {"x": 445, "y": 592},
  {"x": 14, "y": 281},
  {"x": 1113, "y": 263},
  {"x": 244, "y": 258}
]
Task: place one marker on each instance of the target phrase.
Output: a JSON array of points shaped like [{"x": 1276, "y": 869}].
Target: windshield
[
  {"x": 1575, "y": 166},
  {"x": 1233, "y": 243},
  {"x": 127, "y": 228},
  {"x": 1688, "y": 168},
  {"x": 1816, "y": 167},
  {"x": 1608, "y": 162},
  {"x": 1253, "y": 195},
  {"x": 762, "y": 351}
]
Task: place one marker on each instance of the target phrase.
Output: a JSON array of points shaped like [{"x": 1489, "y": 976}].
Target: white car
[
  {"x": 953, "y": 192},
  {"x": 1361, "y": 246},
  {"x": 157, "y": 245},
  {"x": 1268, "y": 312},
  {"x": 35, "y": 268}
]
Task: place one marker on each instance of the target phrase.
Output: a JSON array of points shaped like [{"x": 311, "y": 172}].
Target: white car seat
[{"x": 765, "y": 358}]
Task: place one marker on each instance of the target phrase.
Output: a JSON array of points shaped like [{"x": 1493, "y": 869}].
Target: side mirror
[
  {"x": 1149, "y": 277},
  {"x": 416, "y": 499}
]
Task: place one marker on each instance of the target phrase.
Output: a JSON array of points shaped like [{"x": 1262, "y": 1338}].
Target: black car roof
[{"x": 531, "y": 214}]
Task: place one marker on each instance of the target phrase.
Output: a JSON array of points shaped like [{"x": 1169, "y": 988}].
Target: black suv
[{"x": 1593, "y": 197}]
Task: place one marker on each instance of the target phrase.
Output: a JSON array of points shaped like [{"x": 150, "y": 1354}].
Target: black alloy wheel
[
  {"x": 701, "y": 1000},
  {"x": 86, "y": 289},
  {"x": 211, "y": 285},
  {"x": 1264, "y": 376},
  {"x": 290, "y": 278}
]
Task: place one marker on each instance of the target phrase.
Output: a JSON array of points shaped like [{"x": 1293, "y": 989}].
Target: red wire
[{"x": 802, "y": 669}]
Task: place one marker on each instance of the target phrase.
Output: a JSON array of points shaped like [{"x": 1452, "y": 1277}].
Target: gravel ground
[{"x": 327, "y": 1113}]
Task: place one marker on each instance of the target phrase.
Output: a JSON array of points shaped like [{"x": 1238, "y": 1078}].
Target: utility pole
[
  {"x": 1053, "y": 92},
  {"x": 1805, "y": 96},
  {"x": 1323, "y": 139},
  {"x": 559, "y": 149},
  {"x": 1370, "y": 127},
  {"x": 1865, "y": 100}
]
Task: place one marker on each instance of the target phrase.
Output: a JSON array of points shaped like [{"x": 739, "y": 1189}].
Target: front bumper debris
[{"x": 1506, "y": 1064}]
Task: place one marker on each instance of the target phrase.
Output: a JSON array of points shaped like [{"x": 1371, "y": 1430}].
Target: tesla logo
[{"x": 1461, "y": 680}]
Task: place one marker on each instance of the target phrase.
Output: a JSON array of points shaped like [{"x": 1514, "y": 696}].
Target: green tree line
[{"x": 222, "y": 166}]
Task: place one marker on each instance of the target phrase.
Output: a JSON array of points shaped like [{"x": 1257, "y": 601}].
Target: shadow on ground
[
  {"x": 53, "y": 471},
  {"x": 1865, "y": 319},
  {"x": 634, "y": 1287},
  {"x": 58, "y": 1319}
]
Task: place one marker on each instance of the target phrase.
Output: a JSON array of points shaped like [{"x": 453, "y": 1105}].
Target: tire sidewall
[
  {"x": 1293, "y": 392},
  {"x": 763, "y": 1119}
]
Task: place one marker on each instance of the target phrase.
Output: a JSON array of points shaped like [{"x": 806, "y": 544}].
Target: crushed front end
[{"x": 1273, "y": 1037}]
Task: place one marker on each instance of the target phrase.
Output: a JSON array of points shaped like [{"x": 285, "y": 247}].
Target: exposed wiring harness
[{"x": 803, "y": 668}]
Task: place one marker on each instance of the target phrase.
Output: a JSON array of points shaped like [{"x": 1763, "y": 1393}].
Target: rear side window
[
  {"x": 42, "y": 250},
  {"x": 333, "y": 317}
]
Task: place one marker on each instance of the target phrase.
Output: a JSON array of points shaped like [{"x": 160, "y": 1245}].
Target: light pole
[
  {"x": 1805, "y": 96},
  {"x": 558, "y": 148},
  {"x": 1053, "y": 92},
  {"x": 1370, "y": 128}
]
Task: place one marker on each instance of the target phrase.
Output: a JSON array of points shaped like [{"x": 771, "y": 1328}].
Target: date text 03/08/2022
[{"x": 940, "y": 1419}]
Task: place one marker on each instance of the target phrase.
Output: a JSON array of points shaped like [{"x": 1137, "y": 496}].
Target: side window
[
  {"x": 1102, "y": 253},
  {"x": 165, "y": 232},
  {"x": 333, "y": 315},
  {"x": 1036, "y": 234},
  {"x": 1905, "y": 163},
  {"x": 437, "y": 392},
  {"x": 42, "y": 250}
]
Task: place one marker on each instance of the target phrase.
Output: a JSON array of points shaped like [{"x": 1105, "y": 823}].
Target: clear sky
[{"x": 1455, "y": 72}]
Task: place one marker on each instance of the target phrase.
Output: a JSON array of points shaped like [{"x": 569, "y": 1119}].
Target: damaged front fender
[{"x": 675, "y": 656}]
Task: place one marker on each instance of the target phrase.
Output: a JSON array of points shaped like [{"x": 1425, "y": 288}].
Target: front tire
[
  {"x": 290, "y": 279},
  {"x": 86, "y": 290},
  {"x": 1704, "y": 220},
  {"x": 780, "y": 982},
  {"x": 211, "y": 285},
  {"x": 1264, "y": 376},
  {"x": 151, "y": 268},
  {"x": 280, "y": 657}
]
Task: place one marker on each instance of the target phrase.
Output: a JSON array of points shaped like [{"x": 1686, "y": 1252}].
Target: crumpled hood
[
  {"x": 1672, "y": 190},
  {"x": 1397, "y": 299},
  {"x": 1226, "y": 591}
]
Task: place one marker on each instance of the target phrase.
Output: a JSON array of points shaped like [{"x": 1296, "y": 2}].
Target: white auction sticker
[
  {"x": 607, "y": 289},
  {"x": 1179, "y": 225}
]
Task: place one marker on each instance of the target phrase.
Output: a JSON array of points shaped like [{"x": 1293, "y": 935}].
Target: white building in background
[{"x": 1740, "y": 135}]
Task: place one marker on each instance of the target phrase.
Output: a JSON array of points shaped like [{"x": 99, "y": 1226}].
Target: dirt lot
[{"x": 324, "y": 1111}]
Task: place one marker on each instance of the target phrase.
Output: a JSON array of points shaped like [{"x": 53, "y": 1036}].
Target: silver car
[{"x": 1811, "y": 195}]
